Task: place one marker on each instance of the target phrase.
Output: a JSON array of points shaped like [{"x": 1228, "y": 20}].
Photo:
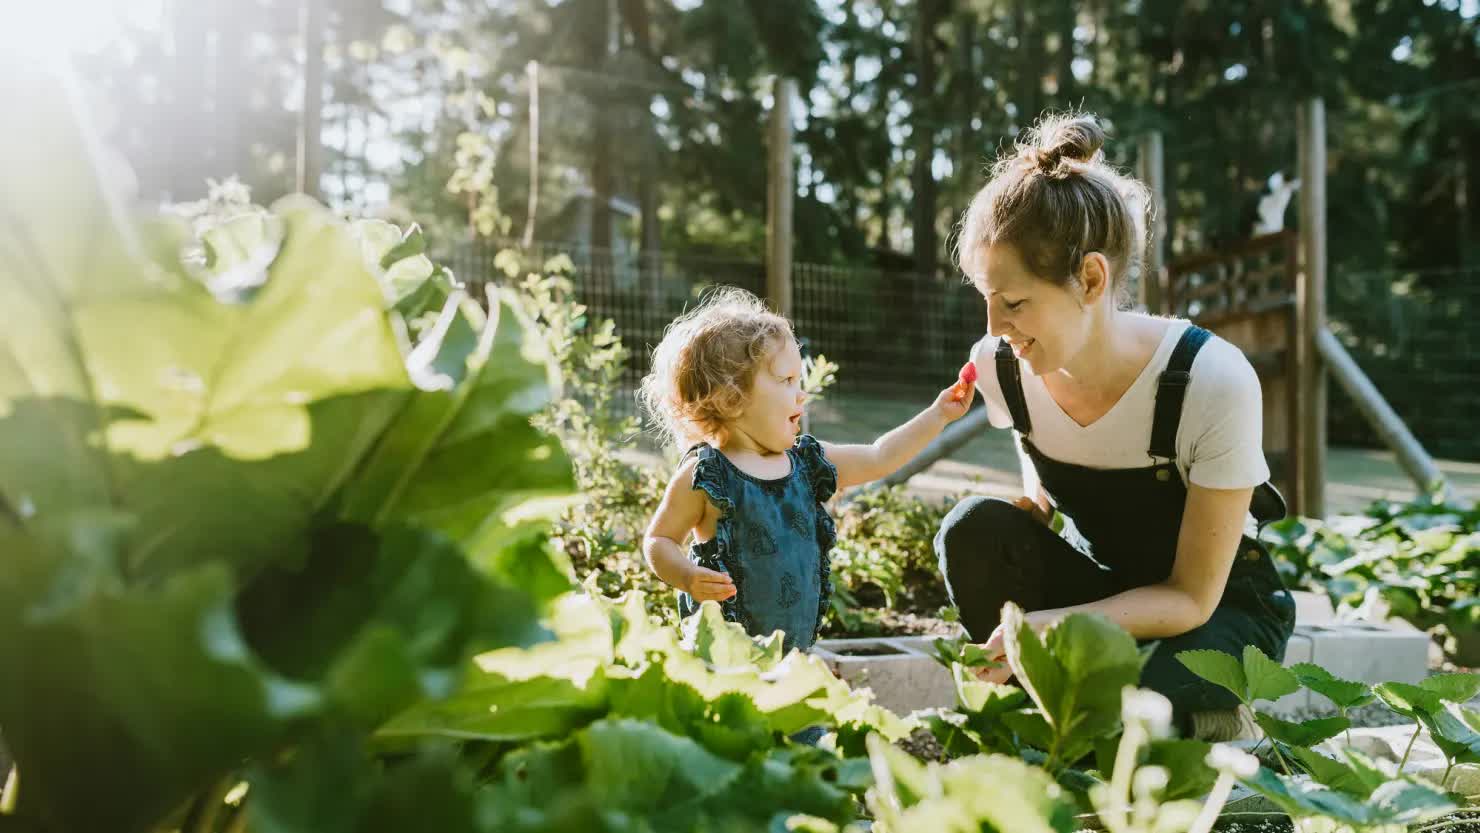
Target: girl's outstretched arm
[
  {"x": 858, "y": 464},
  {"x": 682, "y": 510}
]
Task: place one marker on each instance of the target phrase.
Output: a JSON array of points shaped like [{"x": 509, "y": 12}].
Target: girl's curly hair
[{"x": 704, "y": 367}]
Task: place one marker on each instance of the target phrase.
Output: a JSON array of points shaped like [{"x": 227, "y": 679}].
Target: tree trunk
[
  {"x": 310, "y": 117},
  {"x": 924, "y": 116}
]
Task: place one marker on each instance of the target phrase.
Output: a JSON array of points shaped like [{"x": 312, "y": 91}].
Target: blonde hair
[
  {"x": 1055, "y": 200},
  {"x": 703, "y": 369}
]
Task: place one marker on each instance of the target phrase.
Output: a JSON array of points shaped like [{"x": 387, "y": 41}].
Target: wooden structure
[{"x": 1246, "y": 294}]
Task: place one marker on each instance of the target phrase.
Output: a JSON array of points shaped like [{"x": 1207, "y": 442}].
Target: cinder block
[
  {"x": 901, "y": 672},
  {"x": 1367, "y": 653},
  {"x": 1313, "y": 608}
]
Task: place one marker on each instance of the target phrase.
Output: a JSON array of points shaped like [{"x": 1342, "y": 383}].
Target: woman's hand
[
  {"x": 1034, "y": 508},
  {"x": 996, "y": 651},
  {"x": 995, "y": 647}
]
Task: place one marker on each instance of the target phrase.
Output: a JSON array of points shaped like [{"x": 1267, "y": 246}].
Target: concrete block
[
  {"x": 1313, "y": 608},
  {"x": 900, "y": 671},
  {"x": 1367, "y": 653}
]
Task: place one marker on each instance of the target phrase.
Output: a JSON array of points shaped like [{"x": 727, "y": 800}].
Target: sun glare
[{"x": 59, "y": 28}]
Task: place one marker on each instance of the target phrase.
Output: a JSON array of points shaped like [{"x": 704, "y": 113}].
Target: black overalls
[{"x": 992, "y": 552}]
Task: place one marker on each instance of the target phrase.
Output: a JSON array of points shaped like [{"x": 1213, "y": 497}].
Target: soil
[{"x": 869, "y": 651}]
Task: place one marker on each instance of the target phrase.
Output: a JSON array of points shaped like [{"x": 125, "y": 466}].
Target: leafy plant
[
  {"x": 1422, "y": 558},
  {"x": 1351, "y": 789},
  {"x": 242, "y": 517}
]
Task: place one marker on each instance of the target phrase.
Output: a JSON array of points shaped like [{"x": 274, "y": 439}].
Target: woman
[{"x": 1145, "y": 432}]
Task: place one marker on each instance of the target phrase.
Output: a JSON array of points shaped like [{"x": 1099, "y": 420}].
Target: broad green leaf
[
  {"x": 502, "y": 710},
  {"x": 1334, "y": 774},
  {"x": 1453, "y": 688},
  {"x": 333, "y": 785},
  {"x": 983, "y": 792},
  {"x": 978, "y": 697},
  {"x": 1410, "y": 701},
  {"x": 50, "y": 418},
  {"x": 1453, "y": 730},
  {"x": 1400, "y": 802},
  {"x": 185, "y": 700},
  {"x": 723, "y": 644},
  {"x": 1219, "y": 668},
  {"x": 463, "y": 457},
  {"x": 381, "y": 620},
  {"x": 1408, "y": 802},
  {"x": 1186, "y": 763},
  {"x": 646, "y": 779},
  {"x": 1308, "y": 733},
  {"x": 1267, "y": 679},
  {"x": 637, "y": 767},
  {"x": 1345, "y": 694},
  {"x": 1040, "y": 674}
]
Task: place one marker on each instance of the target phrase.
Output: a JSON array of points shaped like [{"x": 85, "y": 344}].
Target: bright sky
[{"x": 49, "y": 28}]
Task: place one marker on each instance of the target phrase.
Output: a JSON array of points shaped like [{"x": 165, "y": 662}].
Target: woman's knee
[{"x": 977, "y": 527}]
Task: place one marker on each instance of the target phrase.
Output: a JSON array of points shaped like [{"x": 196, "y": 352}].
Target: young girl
[{"x": 727, "y": 383}]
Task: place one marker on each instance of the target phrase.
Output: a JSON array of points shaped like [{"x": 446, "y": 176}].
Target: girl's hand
[
  {"x": 705, "y": 585},
  {"x": 952, "y": 403},
  {"x": 955, "y": 401}
]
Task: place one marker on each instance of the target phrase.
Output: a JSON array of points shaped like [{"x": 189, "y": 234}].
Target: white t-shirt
[{"x": 1219, "y": 439}]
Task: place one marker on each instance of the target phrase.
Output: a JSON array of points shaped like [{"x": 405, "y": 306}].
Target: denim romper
[{"x": 773, "y": 538}]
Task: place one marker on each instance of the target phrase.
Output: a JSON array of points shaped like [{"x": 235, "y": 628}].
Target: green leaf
[
  {"x": 975, "y": 696},
  {"x": 463, "y": 457},
  {"x": 1409, "y": 701},
  {"x": 1453, "y": 729},
  {"x": 726, "y": 644},
  {"x": 1399, "y": 802},
  {"x": 156, "y": 683},
  {"x": 1040, "y": 673},
  {"x": 383, "y": 621},
  {"x": 333, "y": 786},
  {"x": 1454, "y": 688},
  {"x": 1333, "y": 773},
  {"x": 1267, "y": 679},
  {"x": 495, "y": 709},
  {"x": 1219, "y": 668},
  {"x": 1186, "y": 764},
  {"x": 1308, "y": 733},
  {"x": 1343, "y": 693},
  {"x": 982, "y": 792}
]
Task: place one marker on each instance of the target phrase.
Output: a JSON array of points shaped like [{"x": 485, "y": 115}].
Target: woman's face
[{"x": 1047, "y": 325}]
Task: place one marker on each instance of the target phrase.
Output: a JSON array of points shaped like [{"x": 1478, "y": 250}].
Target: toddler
[{"x": 726, "y": 383}]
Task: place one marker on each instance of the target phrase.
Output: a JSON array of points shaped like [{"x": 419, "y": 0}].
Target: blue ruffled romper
[{"x": 773, "y": 538}]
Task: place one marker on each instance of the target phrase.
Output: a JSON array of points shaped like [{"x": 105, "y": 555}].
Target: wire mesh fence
[
  {"x": 899, "y": 333},
  {"x": 888, "y": 331},
  {"x": 1415, "y": 336}
]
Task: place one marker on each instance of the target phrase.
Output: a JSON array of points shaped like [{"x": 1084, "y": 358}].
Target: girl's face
[
  {"x": 772, "y": 417},
  {"x": 1047, "y": 325}
]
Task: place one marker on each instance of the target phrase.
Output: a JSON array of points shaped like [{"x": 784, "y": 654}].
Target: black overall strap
[
  {"x": 1010, "y": 379},
  {"x": 1172, "y": 389}
]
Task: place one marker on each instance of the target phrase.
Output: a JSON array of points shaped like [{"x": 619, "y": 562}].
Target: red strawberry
[{"x": 964, "y": 381}]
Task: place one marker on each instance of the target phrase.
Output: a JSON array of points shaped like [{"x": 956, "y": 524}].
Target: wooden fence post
[
  {"x": 1310, "y": 303},
  {"x": 780, "y": 190}
]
